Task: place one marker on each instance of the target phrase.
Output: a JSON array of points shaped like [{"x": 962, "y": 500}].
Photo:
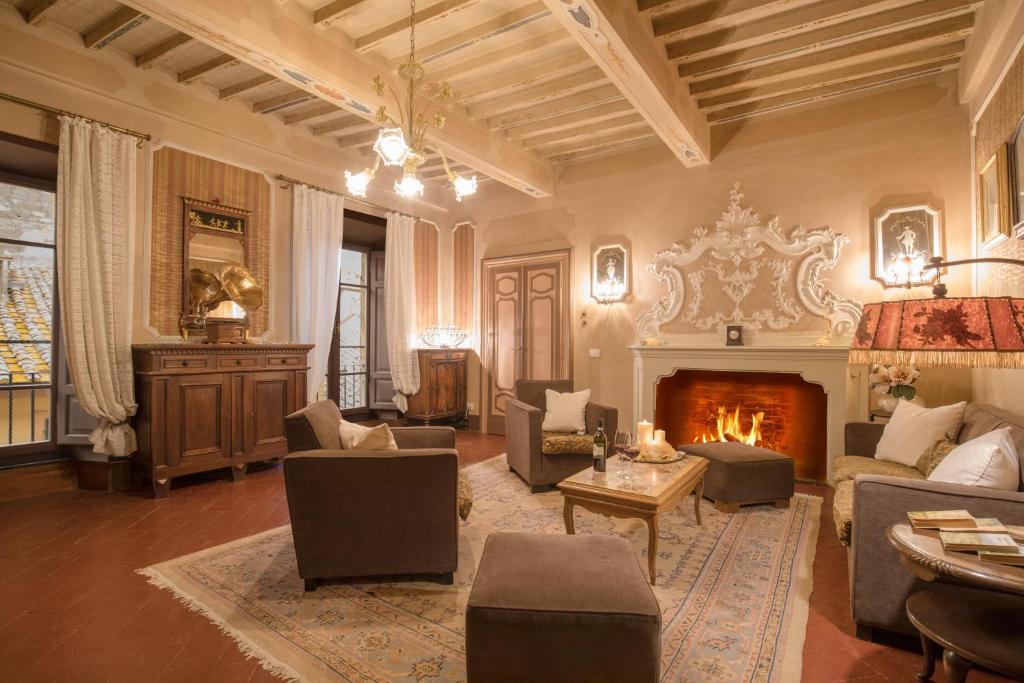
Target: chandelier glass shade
[{"x": 401, "y": 141}]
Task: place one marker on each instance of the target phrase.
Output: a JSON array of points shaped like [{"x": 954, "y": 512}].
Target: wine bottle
[{"x": 600, "y": 448}]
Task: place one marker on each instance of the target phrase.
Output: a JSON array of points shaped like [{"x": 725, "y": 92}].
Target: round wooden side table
[{"x": 976, "y": 622}]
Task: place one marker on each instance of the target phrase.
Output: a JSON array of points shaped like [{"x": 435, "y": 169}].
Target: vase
[{"x": 888, "y": 403}]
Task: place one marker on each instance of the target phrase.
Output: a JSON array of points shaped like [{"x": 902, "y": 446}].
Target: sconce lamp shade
[{"x": 967, "y": 332}]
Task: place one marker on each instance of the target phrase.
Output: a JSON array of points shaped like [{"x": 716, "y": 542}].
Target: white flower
[{"x": 900, "y": 375}]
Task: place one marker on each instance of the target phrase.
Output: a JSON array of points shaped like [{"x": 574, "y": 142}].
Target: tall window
[
  {"x": 27, "y": 321},
  {"x": 352, "y": 329}
]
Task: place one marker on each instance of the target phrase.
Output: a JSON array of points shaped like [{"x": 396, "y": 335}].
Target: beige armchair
[
  {"x": 371, "y": 513},
  {"x": 544, "y": 459}
]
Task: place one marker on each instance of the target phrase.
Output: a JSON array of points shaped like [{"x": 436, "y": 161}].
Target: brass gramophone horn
[{"x": 241, "y": 287}]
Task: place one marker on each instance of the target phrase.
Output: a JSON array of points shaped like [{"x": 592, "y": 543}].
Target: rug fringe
[{"x": 248, "y": 648}]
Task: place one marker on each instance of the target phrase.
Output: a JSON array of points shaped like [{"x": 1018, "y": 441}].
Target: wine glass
[{"x": 624, "y": 445}]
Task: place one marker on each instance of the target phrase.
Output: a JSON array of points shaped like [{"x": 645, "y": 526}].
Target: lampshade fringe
[{"x": 942, "y": 359}]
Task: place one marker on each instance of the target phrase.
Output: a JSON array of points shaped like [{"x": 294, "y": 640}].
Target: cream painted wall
[{"x": 835, "y": 164}]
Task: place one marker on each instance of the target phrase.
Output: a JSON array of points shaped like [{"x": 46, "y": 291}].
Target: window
[
  {"x": 27, "y": 320},
  {"x": 352, "y": 328}
]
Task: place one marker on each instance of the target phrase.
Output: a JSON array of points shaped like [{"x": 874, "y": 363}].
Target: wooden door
[
  {"x": 526, "y": 327},
  {"x": 267, "y": 397},
  {"x": 381, "y": 387},
  {"x": 198, "y": 421},
  {"x": 446, "y": 381}
]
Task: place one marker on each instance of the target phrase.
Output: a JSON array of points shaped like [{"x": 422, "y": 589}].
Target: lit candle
[
  {"x": 644, "y": 432},
  {"x": 659, "y": 437}
]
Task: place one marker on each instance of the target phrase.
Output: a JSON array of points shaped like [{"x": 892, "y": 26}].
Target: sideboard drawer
[
  {"x": 228, "y": 362},
  {"x": 189, "y": 362},
  {"x": 278, "y": 361}
]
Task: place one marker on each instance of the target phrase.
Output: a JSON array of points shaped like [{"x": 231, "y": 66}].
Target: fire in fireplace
[{"x": 776, "y": 410}]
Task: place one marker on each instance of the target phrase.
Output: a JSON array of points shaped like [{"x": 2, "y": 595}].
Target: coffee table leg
[
  {"x": 570, "y": 526},
  {"x": 931, "y": 652},
  {"x": 697, "y": 495},
  {"x": 652, "y": 545},
  {"x": 955, "y": 666}
]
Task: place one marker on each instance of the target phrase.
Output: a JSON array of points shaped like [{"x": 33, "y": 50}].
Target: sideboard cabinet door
[
  {"x": 199, "y": 433},
  {"x": 268, "y": 397}
]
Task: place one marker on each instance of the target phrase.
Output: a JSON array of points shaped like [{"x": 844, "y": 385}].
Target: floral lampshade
[{"x": 966, "y": 332}]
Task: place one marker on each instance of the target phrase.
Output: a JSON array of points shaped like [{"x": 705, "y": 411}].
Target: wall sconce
[{"x": 609, "y": 280}]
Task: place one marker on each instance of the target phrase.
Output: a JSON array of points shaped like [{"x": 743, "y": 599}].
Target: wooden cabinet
[
  {"x": 208, "y": 406},
  {"x": 442, "y": 391}
]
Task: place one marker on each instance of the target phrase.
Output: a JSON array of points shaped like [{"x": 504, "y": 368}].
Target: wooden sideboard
[
  {"x": 442, "y": 393},
  {"x": 211, "y": 406}
]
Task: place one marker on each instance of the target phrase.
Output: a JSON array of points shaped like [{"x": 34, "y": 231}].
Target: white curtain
[
  {"x": 400, "y": 307},
  {"x": 317, "y": 224},
  {"x": 95, "y": 263}
]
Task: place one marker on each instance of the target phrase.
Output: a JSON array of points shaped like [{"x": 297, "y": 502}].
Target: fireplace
[{"x": 776, "y": 410}]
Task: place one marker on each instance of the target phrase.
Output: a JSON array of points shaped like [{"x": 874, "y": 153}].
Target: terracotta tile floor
[{"x": 72, "y": 607}]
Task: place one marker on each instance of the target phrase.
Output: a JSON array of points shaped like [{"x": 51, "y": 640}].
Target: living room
[{"x": 446, "y": 339}]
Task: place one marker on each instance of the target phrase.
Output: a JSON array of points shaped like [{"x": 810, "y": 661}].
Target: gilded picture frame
[
  {"x": 994, "y": 198},
  {"x": 1015, "y": 163}
]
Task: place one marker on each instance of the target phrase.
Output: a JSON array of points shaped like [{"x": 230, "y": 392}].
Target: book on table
[
  {"x": 942, "y": 519},
  {"x": 1011, "y": 556},
  {"x": 989, "y": 525},
  {"x": 973, "y": 540}
]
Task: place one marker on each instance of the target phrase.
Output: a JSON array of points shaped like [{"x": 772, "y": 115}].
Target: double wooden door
[{"x": 526, "y": 327}]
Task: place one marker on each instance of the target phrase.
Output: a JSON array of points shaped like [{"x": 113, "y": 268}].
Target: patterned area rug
[{"x": 733, "y": 593}]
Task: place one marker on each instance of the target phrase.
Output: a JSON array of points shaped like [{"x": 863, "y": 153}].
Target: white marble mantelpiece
[{"x": 823, "y": 365}]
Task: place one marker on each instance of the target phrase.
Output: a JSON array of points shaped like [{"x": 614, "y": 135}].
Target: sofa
[
  {"x": 871, "y": 495},
  {"x": 361, "y": 513},
  {"x": 541, "y": 458}
]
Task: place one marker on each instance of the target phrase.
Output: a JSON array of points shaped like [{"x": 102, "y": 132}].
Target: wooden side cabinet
[
  {"x": 212, "y": 406},
  {"x": 442, "y": 393}
]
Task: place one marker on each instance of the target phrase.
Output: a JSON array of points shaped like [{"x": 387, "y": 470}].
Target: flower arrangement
[{"x": 896, "y": 381}]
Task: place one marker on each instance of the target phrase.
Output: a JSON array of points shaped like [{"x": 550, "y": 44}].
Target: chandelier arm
[{"x": 444, "y": 162}]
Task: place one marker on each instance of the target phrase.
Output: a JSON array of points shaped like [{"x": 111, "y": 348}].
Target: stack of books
[{"x": 961, "y": 531}]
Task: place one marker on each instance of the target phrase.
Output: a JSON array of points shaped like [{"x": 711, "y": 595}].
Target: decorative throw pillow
[
  {"x": 351, "y": 433},
  {"x": 931, "y": 458},
  {"x": 377, "y": 438},
  {"x": 465, "y": 496},
  {"x": 989, "y": 460},
  {"x": 566, "y": 412},
  {"x": 912, "y": 429}
]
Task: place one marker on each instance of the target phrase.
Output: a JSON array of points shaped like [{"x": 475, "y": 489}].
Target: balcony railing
[{"x": 25, "y": 405}]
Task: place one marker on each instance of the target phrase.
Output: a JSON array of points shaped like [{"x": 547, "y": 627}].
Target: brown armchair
[
  {"x": 370, "y": 513},
  {"x": 543, "y": 460}
]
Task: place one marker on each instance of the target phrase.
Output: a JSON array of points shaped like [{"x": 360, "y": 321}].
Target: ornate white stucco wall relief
[{"x": 768, "y": 280}]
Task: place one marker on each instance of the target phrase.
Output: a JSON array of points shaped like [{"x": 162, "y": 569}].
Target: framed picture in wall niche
[
  {"x": 609, "y": 280},
  {"x": 994, "y": 198},
  {"x": 903, "y": 239},
  {"x": 1016, "y": 166}
]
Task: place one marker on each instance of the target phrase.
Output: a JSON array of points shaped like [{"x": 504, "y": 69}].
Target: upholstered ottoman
[
  {"x": 739, "y": 474},
  {"x": 548, "y": 607}
]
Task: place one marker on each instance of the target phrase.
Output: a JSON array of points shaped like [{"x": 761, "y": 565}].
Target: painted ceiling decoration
[{"x": 539, "y": 83}]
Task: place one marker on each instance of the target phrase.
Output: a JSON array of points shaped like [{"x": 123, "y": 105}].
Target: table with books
[{"x": 974, "y": 621}]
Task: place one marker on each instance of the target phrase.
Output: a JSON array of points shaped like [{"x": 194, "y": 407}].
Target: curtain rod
[
  {"x": 295, "y": 181},
  {"x": 61, "y": 112}
]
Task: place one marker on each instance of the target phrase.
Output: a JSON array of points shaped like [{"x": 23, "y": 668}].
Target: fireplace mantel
[{"x": 824, "y": 365}]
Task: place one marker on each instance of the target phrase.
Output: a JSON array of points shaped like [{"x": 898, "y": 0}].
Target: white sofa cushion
[
  {"x": 565, "y": 412},
  {"x": 990, "y": 460},
  {"x": 913, "y": 429}
]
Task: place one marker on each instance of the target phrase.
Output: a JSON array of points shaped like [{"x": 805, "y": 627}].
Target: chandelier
[{"x": 401, "y": 141}]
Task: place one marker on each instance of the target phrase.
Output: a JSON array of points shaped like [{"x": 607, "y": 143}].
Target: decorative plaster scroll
[{"x": 737, "y": 250}]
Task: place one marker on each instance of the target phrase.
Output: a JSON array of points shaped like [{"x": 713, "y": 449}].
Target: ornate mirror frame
[{"x": 210, "y": 218}]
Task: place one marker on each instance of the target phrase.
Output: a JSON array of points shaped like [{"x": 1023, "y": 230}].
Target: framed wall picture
[
  {"x": 609, "y": 281},
  {"x": 903, "y": 239},
  {"x": 994, "y": 198},
  {"x": 1015, "y": 161}
]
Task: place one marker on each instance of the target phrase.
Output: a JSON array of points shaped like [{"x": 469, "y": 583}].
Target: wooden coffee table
[{"x": 655, "y": 489}]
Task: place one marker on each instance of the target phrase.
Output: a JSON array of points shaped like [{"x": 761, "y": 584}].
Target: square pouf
[
  {"x": 548, "y": 607},
  {"x": 739, "y": 474}
]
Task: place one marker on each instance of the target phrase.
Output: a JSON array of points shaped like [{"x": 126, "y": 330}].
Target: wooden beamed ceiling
[{"x": 531, "y": 83}]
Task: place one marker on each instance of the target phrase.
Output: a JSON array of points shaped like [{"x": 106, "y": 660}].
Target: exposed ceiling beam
[
  {"x": 870, "y": 49},
  {"x": 941, "y": 55},
  {"x": 635, "y": 63},
  {"x": 802, "y": 98},
  {"x": 311, "y": 111},
  {"x": 344, "y": 122},
  {"x": 209, "y": 66},
  {"x": 113, "y": 26},
  {"x": 245, "y": 86},
  {"x": 549, "y": 90},
  {"x": 607, "y": 150},
  {"x": 357, "y": 139},
  {"x": 162, "y": 50},
  {"x": 491, "y": 59},
  {"x": 572, "y": 119},
  {"x": 36, "y": 12},
  {"x": 628, "y": 121},
  {"x": 836, "y": 21},
  {"x": 583, "y": 100},
  {"x": 332, "y": 11},
  {"x": 437, "y": 12},
  {"x": 279, "y": 38},
  {"x": 718, "y": 14},
  {"x": 655, "y": 7},
  {"x": 289, "y": 99},
  {"x": 599, "y": 141},
  {"x": 525, "y": 75},
  {"x": 473, "y": 36}
]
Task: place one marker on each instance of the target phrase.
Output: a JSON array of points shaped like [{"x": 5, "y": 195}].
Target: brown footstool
[
  {"x": 547, "y": 607},
  {"x": 739, "y": 474}
]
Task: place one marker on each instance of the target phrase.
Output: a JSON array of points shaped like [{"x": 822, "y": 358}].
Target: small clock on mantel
[{"x": 734, "y": 335}]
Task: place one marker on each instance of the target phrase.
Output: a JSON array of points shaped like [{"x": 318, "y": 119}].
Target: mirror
[{"x": 214, "y": 239}]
